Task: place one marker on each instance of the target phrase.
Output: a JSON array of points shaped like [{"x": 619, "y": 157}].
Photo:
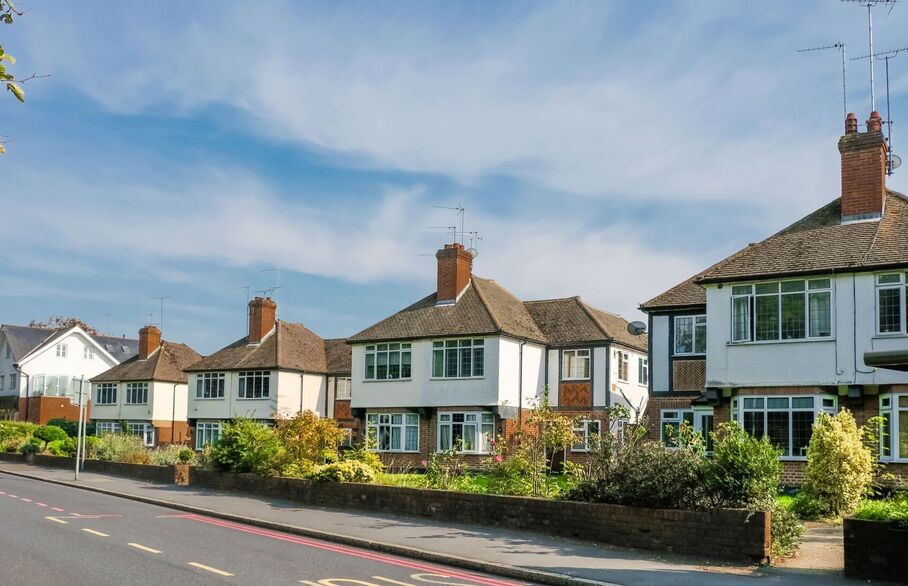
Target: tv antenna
[
  {"x": 274, "y": 289},
  {"x": 461, "y": 211},
  {"x": 892, "y": 161},
  {"x": 841, "y": 47},
  {"x": 245, "y": 288},
  {"x": 162, "y": 299},
  {"x": 474, "y": 238},
  {"x": 869, "y": 5}
]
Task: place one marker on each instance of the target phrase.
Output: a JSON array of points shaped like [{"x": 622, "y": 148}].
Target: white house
[
  {"x": 146, "y": 393},
  {"x": 810, "y": 320},
  {"x": 278, "y": 368},
  {"x": 41, "y": 369},
  {"x": 462, "y": 366}
]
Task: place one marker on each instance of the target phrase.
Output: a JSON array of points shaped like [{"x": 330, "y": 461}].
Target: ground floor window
[
  {"x": 102, "y": 427},
  {"x": 207, "y": 433},
  {"x": 894, "y": 427},
  {"x": 143, "y": 430},
  {"x": 347, "y": 442},
  {"x": 585, "y": 431},
  {"x": 786, "y": 421},
  {"x": 393, "y": 432},
  {"x": 468, "y": 433},
  {"x": 701, "y": 420}
]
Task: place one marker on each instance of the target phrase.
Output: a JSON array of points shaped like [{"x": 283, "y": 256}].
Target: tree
[
  {"x": 8, "y": 12},
  {"x": 49, "y": 433},
  {"x": 59, "y": 322},
  {"x": 546, "y": 431},
  {"x": 308, "y": 437}
]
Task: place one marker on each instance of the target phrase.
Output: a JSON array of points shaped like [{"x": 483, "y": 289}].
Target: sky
[{"x": 602, "y": 149}]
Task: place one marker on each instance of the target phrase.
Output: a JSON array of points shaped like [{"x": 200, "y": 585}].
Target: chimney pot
[
  {"x": 149, "y": 341},
  {"x": 262, "y": 318},
  {"x": 851, "y": 123},
  {"x": 455, "y": 268},
  {"x": 875, "y": 122}
]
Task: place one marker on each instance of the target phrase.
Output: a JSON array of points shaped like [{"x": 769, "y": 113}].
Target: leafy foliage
[
  {"x": 787, "y": 531},
  {"x": 65, "y": 447},
  {"x": 306, "y": 436},
  {"x": 444, "y": 469},
  {"x": 839, "y": 473},
  {"x": 14, "y": 433},
  {"x": 367, "y": 457},
  {"x": 49, "y": 433},
  {"x": 247, "y": 446},
  {"x": 546, "y": 431},
  {"x": 72, "y": 427},
  {"x": 743, "y": 472},
  {"x": 346, "y": 471},
  {"x": 894, "y": 508},
  {"x": 59, "y": 322},
  {"x": 170, "y": 454},
  {"x": 120, "y": 447}
]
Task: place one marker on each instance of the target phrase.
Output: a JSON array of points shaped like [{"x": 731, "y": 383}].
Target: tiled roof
[
  {"x": 338, "y": 355},
  {"x": 571, "y": 321},
  {"x": 24, "y": 339},
  {"x": 165, "y": 365},
  {"x": 291, "y": 346},
  {"x": 817, "y": 243}
]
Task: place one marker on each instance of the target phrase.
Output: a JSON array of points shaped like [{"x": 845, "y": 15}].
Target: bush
[
  {"x": 444, "y": 468},
  {"x": 367, "y": 457},
  {"x": 49, "y": 433},
  {"x": 121, "y": 447},
  {"x": 186, "y": 456},
  {"x": 72, "y": 427},
  {"x": 787, "y": 531},
  {"x": 169, "y": 455},
  {"x": 891, "y": 509},
  {"x": 29, "y": 447},
  {"x": 15, "y": 432},
  {"x": 346, "y": 471},
  {"x": 744, "y": 472},
  {"x": 247, "y": 446},
  {"x": 306, "y": 437},
  {"x": 839, "y": 473},
  {"x": 65, "y": 447}
]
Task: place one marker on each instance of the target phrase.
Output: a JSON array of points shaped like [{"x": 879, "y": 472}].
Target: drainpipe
[
  {"x": 173, "y": 413},
  {"x": 301, "y": 393},
  {"x": 520, "y": 388},
  {"x": 27, "y": 385}
]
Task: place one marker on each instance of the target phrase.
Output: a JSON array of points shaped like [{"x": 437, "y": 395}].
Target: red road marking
[
  {"x": 12, "y": 496},
  {"x": 57, "y": 509},
  {"x": 1, "y": 492},
  {"x": 22, "y": 498},
  {"x": 349, "y": 551},
  {"x": 41, "y": 504}
]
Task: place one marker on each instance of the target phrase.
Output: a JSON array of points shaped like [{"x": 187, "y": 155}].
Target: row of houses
[{"x": 810, "y": 320}]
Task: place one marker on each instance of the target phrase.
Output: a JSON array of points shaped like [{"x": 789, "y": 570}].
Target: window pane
[
  {"x": 478, "y": 364},
  {"x": 370, "y": 365},
  {"x": 670, "y": 433},
  {"x": 742, "y": 290},
  {"x": 395, "y": 438},
  {"x": 465, "y": 366},
  {"x": 903, "y": 434},
  {"x": 412, "y": 439},
  {"x": 767, "y": 318},
  {"x": 438, "y": 363},
  {"x": 684, "y": 335},
  {"x": 777, "y": 403},
  {"x": 890, "y": 310},
  {"x": 405, "y": 370},
  {"x": 700, "y": 338},
  {"x": 802, "y": 402},
  {"x": 801, "y": 428},
  {"x": 764, "y": 288},
  {"x": 381, "y": 371},
  {"x": 818, "y": 284},
  {"x": 793, "y": 327},
  {"x": 741, "y": 319},
  {"x": 886, "y": 435},
  {"x": 777, "y": 430},
  {"x": 753, "y": 403},
  {"x": 889, "y": 279},
  {"x": 469, "y": 438},
  {"x": 820, "y": 314},
  {"x": 792, "y": 286},
  {"x": 753, "y": 423},
  {"x": 451, "y": 362}
]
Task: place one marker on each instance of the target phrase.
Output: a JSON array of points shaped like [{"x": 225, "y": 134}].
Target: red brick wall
[
  {"x": 575, "y": 394},
  {"x": 863, "y": 172},
  {"x": 164, "y": 434},
  {"x": 42, "y": 409},
  {"x": 149, "y": 341},
  {"x": 262, "y": 315},
  {"x": 455, "y": 265}
]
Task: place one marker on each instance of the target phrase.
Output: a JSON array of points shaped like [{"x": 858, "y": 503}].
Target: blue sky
[{"x": 606, "y": 149}]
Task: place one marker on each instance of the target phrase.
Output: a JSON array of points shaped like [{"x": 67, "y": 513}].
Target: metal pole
[
  {"x": 79, "y": 432},
  {"x": 844, "y": 85},
  {"x": 84, "y": 425},
  {"x": 870, "y": 34}
]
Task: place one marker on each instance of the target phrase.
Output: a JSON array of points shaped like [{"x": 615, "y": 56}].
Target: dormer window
[{"x": 575, "y": 364}]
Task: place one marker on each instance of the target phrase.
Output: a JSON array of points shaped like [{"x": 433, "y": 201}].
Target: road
[{"x": 51, "y": 534}]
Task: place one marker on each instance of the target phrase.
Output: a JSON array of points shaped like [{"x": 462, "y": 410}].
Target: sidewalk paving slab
[{"x": 523, "y": 555}]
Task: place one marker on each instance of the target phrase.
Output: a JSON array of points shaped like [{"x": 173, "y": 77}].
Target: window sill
[
  {"x": 792, "y": 458},
  {"x": 889, "y": 336},
  {"x": 135, "y": 404},
  {"x": 766, "y": 342},
  {"x": 253, "y": 398},
  {"x": 467, "y": 453},
  {"x": 444, "y": 378},
  {"x": 395, "y": 451},
  {"x": 386, "y": 380},
  {"x": 342, "y": 398},
  {"x": 209, "y": 398}
]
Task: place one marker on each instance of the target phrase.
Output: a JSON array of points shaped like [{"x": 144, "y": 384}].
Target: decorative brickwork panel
[
  {"x": 342, "y": 410},
  {"x": 574, "y": 395},
  {"x": 688, "y": 375}
]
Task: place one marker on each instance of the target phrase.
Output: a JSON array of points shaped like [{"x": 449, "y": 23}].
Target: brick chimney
[
  {"x": 262, "y": 313},
  {"x": 455, "y": 266},
  {"x": 863, "y": 169},
  {"x": 149, "y": 341}
]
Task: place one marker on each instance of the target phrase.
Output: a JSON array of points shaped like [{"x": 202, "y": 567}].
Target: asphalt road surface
[{"x": 51, "y": 534}]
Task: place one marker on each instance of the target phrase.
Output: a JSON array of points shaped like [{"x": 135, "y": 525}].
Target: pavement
[{"x": 531, "y": 557}]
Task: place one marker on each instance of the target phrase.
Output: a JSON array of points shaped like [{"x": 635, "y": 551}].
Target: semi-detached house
[
  {"x": 461, "y": 366},
  {"x": 279, "y": 368},
  {"x": 810, "y": 320}
]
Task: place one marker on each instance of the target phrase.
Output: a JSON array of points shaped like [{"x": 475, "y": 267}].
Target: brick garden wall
[{"x": 875, "y": 550}]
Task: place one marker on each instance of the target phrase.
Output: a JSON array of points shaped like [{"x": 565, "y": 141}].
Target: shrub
[
  {"x": 72, "y": 427},
  {"x": 306, "y": 436},
  {"x": 65, "y": 447},
  {"x": 121, "y": 447},
  {"x": 839, "y": 473},
  {"x": 29, "y": 447},
  {"x": 186, "y": 456},
  {"x": 169, "y": 455},
  {"x": 894, "y": 508},
  {"x": 787, "y": 531},
  {"x": 49, "y": 433},
  {"x": 444, "y": 468},
  {"x": 15, "y": 432},
  {"x": 346, "y": 471},
  {"x": 508, "y": 471},
  {"x": 203, "y": 457},
  {"x": 247, "y": 446},
  {"x": 91, "y": 444},
  {"x": 743, "y": 472},
  {"x": 367, "y": 457}
]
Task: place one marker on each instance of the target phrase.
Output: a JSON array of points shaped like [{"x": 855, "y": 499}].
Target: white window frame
[
  {"x": 576, "y": 364},
  {"x": 695, "y": 416},
  {"x": 260, "y": 385},
  {"x": 13, "y": 379},
  {"x": 344, "y": 388},
  {"x": 585, "y": 428},
  {"x": 696, "y": 321},
  {"x": 106, "y": 391},
  {"x": 642, "y": 371},
  {"x": 901, "y": 285},
  {"x": 62, "y": 350},
  {"x": 207, "y": 432},
  {"x": 444, "y": 349},
  {"x": 88, "y": 353},
  {"x": 821, "y": 404},
  {"x": 811, "y": 287},
  {"x": 891, "y": 405},
  {"x": 143, "y": 429},
  {"x": 623, "y": 358},
  {"x": 212, "y": 384},
  {"x": 376, "y": 421},
  {"x": 374, "y": 352},
  {"x": 102, "y": 427},
  {"x": 482, "y": 422},
  {"x": 135, "y": 390}
]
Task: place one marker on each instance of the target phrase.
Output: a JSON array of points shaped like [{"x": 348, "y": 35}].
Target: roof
[
  {"x": 486, "y": 307},
  {"x": 24, "y": 339},
  {"x": 817, "y": 243},
  {"x": 290, "y": 346},
  {"x": 166, "y": 365},
  {"x": 338, "y": 356},
  {"x": 571, "y": 321}
]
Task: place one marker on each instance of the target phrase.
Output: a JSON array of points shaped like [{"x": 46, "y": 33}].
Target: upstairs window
[
  {"x": 12, "y": 381},
  {"x": 781, "y": 310},
  {"x": 690, "y": 334},
  {"x": 643, "y": 371},
  {"x": 254, "y": 384},
  {"x": 343, "y": 388},
  {"x": 61, "y": 350},
  {"x": 107, "y": 394},
  {"x": 892, "y": 295},
  {"x": 623, "y": 365},
  {"x": 458, "y": 358},
  {"x": 136, "y": 393},
  {"x": 88, "y": 353},
  {"x": 575, "y": 364},
  {"x": 388, "y": 361},
  {"x": 209, "y": 385}
]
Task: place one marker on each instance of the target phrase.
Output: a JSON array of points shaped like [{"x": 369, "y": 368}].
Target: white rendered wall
[{"x": 659, "y": 345}]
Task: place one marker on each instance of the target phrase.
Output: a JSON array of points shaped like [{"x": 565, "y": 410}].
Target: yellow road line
[
  {"x": 93, "y": 532},
  {"x": 143, "y": 548},
  {"x": 56, "y": 520},
  {"x": 210, "y": 569}
]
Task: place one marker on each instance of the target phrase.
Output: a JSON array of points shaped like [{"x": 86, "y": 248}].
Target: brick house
[
  {"x": 146, "y": 393},
  {"x": 42, "y": 369},
  {"x": 278, "y": 368},
  {"x": 810, "y": 320},
  {"x": 462, "y": 365}
]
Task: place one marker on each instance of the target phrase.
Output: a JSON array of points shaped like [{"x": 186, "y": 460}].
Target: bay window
[
  {"x": 254, "y": 384},
  {"x": 786, "y": 420},
  {"x": 892, "y": 296},
  {"x": 467, "y": 433},
  {"x": 781, "y": 310},
  {"x": 388, "y": 361},
  {"x": 392, "y": 432},
  {"x": 894, "y": 427},
  {"x": 142, "y": 429},
  {"x": 690, "y": 334},
  {"x": 585, "y": 432},
  {"x": 209, "y": 385},
  {"x": 575, "y": 364},
  {"x": 458, "y": 358}
]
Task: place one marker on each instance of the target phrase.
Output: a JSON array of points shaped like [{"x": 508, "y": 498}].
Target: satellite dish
[
  {"x": 636, "y": 328},
  {"x": 473, "y": 252},
  {"x": 893, "y": 163}
]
